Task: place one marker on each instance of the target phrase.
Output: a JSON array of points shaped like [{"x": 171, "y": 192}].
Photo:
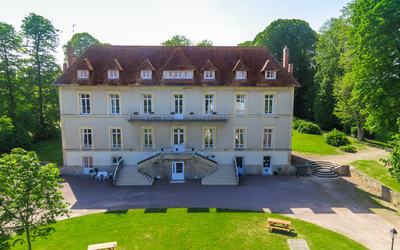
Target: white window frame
[
  {"x": 241, "y": 75},
  {"x": 178, "y": 98},
  {"x": 270, "y": 75},
  {"x": 116, "y": 138},
  {"x": 209, "y": 103},
  {"x": 148, "y": 138},
  {"x": 87, "y": 161},
  {"x": 115, "y": 160},
  {"x": 82, "y": 74},
  {"x": 146, "y": 74},
  {"x": 240, "y": 100},
  {"x": 84, "y": 103},
  {"x": 147, "y": 103},
  {"x": 86, "y": 138},
  {"x": 269, "y": 104},
  {"x": 113, "y": 74},
  {"x": 209, "y": 75},
  {"x": 178, "y": 74},
  {"x": 115, "y": 104},
  {"x": 239, "y": 138},
  {"x": 209, "y": 138},
  {"x": 268, "y": 142}
]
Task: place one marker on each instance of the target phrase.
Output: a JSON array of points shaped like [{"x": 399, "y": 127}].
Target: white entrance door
[
  {"x": 179, "y": 140},
  {"x": 178, "y": 171},
  {"x": 87, "y": 163},
  {"x": 178, "y": 106},
  {"x": 267, "y": 165}
]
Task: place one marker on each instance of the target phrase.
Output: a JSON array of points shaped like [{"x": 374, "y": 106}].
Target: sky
[{"x": 150, "y": 22}]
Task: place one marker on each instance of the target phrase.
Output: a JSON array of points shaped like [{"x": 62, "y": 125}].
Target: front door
[
  {"x": 178, "y": 171},
  {"x": 179, "y": 140},
  {"x": 267, "y": 166},
  {"x": 239, "y": 164},
  {"x": 87, "y": 164},
  {"x": 178, "y": 106}
]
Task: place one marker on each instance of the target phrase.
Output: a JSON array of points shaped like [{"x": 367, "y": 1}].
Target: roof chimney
[
  {"x": 65, "y": 67},
  {"x": 286, "y": 57},
  {"x": 290, "y": 69},
  {"x": 70, "y": 54}
]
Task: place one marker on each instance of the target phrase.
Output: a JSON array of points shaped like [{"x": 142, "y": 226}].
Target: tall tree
[
  {"x": 205, "y": 42},
  {"x": 300, "y": 38},
  {"x": 178, "y": 40},
  {"x": 30, "y": 196},
  {"x": 10, "y": 46},
  {"x": 81, "y": 42},
  {"x": 42, "y": 40}
]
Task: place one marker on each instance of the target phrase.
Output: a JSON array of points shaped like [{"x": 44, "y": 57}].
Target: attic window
[
  {"x": 209, "y": 74},
  {"x": 113, "y": 74},
  {"x": 241, "y": 75},
  {"x": 145, "y": 74},
  {"x": 270, "y": 74},
  {"x": 178, "y": 74},
  {"x": 83, "y": 74}
]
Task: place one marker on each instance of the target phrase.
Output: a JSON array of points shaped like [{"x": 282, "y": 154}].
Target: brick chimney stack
[
  {"x": 290, "y": 69},
  {"x": 286, "y": 58},
  {"x": 70, "y": 54}
]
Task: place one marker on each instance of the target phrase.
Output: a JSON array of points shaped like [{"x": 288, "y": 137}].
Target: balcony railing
[
  {"x": 135, "y": 117},
  {"x": 174, "y": 151}
]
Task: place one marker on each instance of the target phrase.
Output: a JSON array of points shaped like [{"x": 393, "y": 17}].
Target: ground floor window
[
  {"x": 268, "y": 138},
  {"x": 116, "y": 140},
  {"x": 209, "y": 138},
  {"x": 115, "y": 159},
  {"x": 239, "y": 138},
  {"x": 147, "y": 138}
]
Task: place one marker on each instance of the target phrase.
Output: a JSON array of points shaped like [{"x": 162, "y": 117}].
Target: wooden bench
[
  {"x": 108, "y": 245},
  {"x": 279, "y": 224}
]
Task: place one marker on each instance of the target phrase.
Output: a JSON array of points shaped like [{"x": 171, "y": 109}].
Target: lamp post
[{"x": 393, "y": 234}]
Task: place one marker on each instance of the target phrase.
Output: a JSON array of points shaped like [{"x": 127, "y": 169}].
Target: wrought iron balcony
[{"x": 191, "y": 117}]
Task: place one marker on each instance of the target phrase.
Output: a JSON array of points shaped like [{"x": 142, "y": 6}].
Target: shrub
[
  {"x": 337, "y": 138},
  {"x": 297, "y": 122},
  {"x": 309, "y": 128},
  {"x": 353, "y": 132},
  {"x": 348, "y": 149}
]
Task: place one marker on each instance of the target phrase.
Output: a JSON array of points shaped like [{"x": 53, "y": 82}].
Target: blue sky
[{"x": 151, "y": 22}]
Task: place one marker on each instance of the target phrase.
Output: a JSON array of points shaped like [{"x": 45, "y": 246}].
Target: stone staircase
[
  {"x": 225, "y": 175},
  {"x": 324, "y": 169},
  {"x": 130, "y": 176}
]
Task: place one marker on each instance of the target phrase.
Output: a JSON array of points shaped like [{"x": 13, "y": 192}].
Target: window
[
  {"x": 146, "y": 100},
  {"x": 268, "y": 138},
  {"x": 208, "y": 104},
  {"x": 241, "y": 75},
  {"x": 239, "y": 138},
  {"x": 113, "y": 74},
  {"x": 209, "y": 138},
  {"x": 178, "y": 104},
  {"x": 270, "y": 74},
  {"x": 83, "y": 74},
  {"x": 147, "y": 138},
  {"x": 114, "y": 104},
  {"x": 115, "y": 160},
  {"x": 87, "y": 162},
  {"x": 240, "y": 104},
  {"x": 178, "y": 74},
  {"x": 209, "y": 74},
  {"x": 116, "y": 140},
  {"x": 269, "y": 104},
  {"x": 85, "y": 104},
  {"x": 145, "y": 74},
  {"x": 86, "y": 138}
]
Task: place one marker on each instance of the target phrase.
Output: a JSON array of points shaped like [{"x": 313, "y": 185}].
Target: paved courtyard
[{"x": 334, "y": 204}]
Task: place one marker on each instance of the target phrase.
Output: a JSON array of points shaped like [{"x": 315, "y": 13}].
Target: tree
[
  {"x": 10, "y": 45},
  {"x": 300, "y": 38},
  {"x": 81, "y": 42},
  {"x": 247, "y": 43},
  {"x": 178, "y": 40},
  {"x": 6, "y": 132},
  {"x": 394, "y": 161},
  {"x": 42, "y": 40},
  {"x": 205, "y": 42},
  {"x": 30, "y": 196}
]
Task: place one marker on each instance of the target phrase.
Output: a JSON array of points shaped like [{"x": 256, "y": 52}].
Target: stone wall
[
  {"x": 195, "y": 167},
  {"x": 376, "y": 187}
]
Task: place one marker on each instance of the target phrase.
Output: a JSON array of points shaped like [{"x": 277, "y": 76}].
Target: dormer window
[
  {"x": 209, "y": 75},
  {"x": 270, "y": 74},
  {"x": 178, "y": 74},
  {"x": 113, "y": 74},
  {"x": 241, "y": 75},
  {"x": 145, "y": 74},
  {"x": 83, "y": 74}
]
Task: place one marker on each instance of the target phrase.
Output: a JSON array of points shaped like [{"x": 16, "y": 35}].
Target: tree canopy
[
  {"x": 81, "y": 42},
  {"x": 180, "y": 40}
]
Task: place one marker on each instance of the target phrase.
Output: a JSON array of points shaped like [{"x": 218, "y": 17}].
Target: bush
[
  {"x": 337, "y": 138},
  {"x": 309, "y": 128},
  {"x": 297, "y": 122},
  {"x": 348, "y": 149},
  {"x": 353, "y": 132}
]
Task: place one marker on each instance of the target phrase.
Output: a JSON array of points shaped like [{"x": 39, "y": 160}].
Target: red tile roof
[{"x": 132, "y": 59}]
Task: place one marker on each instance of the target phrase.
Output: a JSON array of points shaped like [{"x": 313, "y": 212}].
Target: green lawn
[
  {"x": 378, "y": 172},
  {"x": 186, "y": 228},
  {"x": 50, "y": 151},
  {"x": 312, "y": 144}
]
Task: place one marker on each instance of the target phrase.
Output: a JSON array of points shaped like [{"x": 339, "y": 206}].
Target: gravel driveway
[{"x": 334, "y": 204}]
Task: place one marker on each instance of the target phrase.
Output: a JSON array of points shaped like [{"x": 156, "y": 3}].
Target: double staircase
[
  {"x": 130, "y": 176},
  {"x": 224, "y": 175},
  {"x": 324, "y": 169}
]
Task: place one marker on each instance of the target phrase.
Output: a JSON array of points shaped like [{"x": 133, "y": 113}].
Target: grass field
[
  {"x": 49, "y": 151},
  {"x": 312, "y": 144},
  {"x": 186, "y": 228},
  {"x": 378, "y": 172}
]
